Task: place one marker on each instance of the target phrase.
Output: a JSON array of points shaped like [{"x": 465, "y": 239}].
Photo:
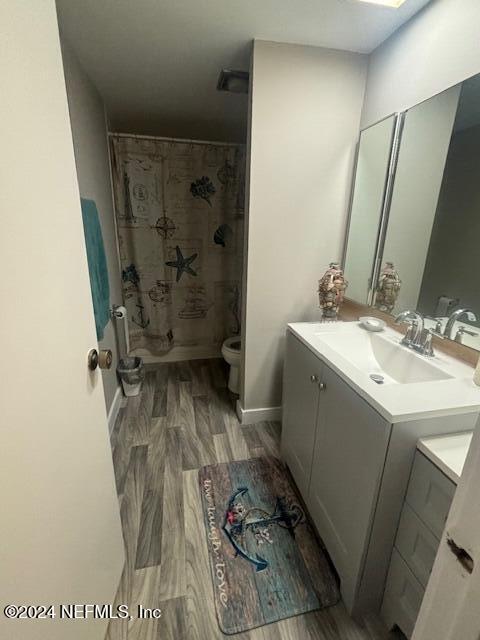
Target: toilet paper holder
[
  {"x": 116, "y": 311},
  {"x": 445, "y": 306},
  {"x": 119, "y": 312}
]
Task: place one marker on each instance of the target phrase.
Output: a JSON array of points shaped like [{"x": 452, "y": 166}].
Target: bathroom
[{"x": 240, "y": 374}]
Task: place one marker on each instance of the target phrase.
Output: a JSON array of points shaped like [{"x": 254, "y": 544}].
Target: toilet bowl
[{"x": 231, "y": 349}]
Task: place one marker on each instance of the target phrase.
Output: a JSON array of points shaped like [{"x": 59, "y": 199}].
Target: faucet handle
[
  {"x": 410, "y": 335},
  {"x": 438, "y": 323},
  {"x": 461, "y": 331},
  {"x": 425, "y": 346},
  {"x": 436, "y": 333}
]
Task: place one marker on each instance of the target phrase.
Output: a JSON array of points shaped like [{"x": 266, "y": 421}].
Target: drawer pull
[
  {"x": 462, "y": 556},
  {"x": 313, "y": 378}
]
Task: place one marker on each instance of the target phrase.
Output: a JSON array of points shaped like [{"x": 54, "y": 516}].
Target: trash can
[{"x": 132, "y": 373}]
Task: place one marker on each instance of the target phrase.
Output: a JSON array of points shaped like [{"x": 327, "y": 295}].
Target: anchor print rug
[{"x": 266, "y": 562}]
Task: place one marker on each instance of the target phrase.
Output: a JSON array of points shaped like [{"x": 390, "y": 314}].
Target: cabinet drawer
[
  {"x": 403, "y": 596},
  {"x": 430, "y": 494},
  {"x": 416, "y": 544}
]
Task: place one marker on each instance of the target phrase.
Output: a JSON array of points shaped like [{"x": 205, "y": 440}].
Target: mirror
[
  {"x": 421, "y": 161},
  {"x": 431, "y": 217},
  {"x": 374, "y": 150}
]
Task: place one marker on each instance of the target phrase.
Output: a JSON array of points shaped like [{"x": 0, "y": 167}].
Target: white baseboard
[
  {"x": 252, "y": 416},
  {"x": 117, "y": 403},
  {"x": 178, "y": 354}
]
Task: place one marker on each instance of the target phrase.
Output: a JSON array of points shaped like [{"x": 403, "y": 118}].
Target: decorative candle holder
[
  {"x": 331, "y": 291},
  {"x": 388, "y": 288}
]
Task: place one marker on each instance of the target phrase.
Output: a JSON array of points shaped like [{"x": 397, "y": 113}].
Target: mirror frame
[{"x": 386, "y": 200}]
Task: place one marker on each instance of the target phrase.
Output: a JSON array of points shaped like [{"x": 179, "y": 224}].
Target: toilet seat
[{"x": 233, "y": 344}]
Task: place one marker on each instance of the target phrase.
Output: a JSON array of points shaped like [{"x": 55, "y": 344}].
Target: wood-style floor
[{"x": 184, "y": 419}]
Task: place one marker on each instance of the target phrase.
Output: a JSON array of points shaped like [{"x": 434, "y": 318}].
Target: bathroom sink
[
  {"x": 398, "y": 382},
  {"x": 387, "y": 361}
]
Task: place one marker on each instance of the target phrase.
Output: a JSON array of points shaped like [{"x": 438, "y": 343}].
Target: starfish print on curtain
[{"x": 182, "y": 264}]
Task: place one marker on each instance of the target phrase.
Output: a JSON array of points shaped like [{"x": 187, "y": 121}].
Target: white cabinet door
[
  {"x": 303, "y": 372},
  {"x": 350, "y": 450}
]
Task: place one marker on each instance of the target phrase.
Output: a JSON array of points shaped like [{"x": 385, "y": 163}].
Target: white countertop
[
  {"x": 448, "y": 453},
  {"x": 396, "y": 402}
]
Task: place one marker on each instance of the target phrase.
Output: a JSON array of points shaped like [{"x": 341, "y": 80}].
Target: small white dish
[{"x": 372, "y": 324}]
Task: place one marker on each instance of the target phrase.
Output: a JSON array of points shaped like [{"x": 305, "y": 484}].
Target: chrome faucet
[
  {"x": 414, "y": 332},
  {"x": 417, "y": 337},
  {"x": 454, "y": 317}
]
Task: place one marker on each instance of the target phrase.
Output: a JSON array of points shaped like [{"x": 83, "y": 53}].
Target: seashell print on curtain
[{"x": 180, "y": 211}]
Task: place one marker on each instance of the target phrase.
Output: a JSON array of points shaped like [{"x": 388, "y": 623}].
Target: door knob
[
  {"x": 313, "y": 378},
  {"x": 322, "y": 386},
  {"x": 102, "y": 359}
]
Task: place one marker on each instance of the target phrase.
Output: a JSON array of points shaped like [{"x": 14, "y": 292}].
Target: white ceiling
[{"x": 156, "y": 62}]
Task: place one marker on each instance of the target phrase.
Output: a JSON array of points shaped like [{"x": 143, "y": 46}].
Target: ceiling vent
[{"x": 234, "y": 81}]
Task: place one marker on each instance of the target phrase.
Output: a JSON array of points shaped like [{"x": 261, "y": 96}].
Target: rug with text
[{"x": 266, "y": 562}]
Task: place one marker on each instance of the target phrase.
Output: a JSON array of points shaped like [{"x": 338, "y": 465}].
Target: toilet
[{"x": 231, "y": 352}]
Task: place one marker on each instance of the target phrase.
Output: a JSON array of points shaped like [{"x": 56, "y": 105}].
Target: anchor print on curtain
[{"x": 180, "y": 211}]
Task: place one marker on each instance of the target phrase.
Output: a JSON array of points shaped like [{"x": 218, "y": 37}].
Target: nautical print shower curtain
[{"x": 180, "y": 211}]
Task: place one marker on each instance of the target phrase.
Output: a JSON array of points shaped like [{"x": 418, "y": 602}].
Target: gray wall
[
  {"x": 87, "y": 115},
  {"x": 305, "y": 114},
  {"x": 436, "y": 49},
  {"x": 452, "y": 267}
]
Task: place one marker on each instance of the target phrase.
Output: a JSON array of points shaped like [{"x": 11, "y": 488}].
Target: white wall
[
  {"x": 436, "y": 49},
  {"x": 305, "y": 116},
  {"x": 87, "y": 116}
]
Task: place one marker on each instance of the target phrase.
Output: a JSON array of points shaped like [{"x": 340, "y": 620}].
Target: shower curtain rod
[{"x": 113, "y": 134}]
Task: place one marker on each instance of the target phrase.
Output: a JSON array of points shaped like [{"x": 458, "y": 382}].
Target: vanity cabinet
[
  {"x": 335, "y": 445},
  {"x": 350, "y": 448},
  {"x": 302, "y": 375},
  {"x": 425, "y": 510}
]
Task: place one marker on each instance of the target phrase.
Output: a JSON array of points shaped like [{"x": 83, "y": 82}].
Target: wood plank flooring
[{"x": 184, "y": 419}]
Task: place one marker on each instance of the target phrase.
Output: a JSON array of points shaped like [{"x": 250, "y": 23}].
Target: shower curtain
[{"x": 180, "y": 210}]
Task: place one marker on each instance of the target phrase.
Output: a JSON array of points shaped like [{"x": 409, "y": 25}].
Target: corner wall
[
  {"x": 90, "y": 141},
  {"x": 436, "y": 49},
  {"x": 304, "y": 123}
]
